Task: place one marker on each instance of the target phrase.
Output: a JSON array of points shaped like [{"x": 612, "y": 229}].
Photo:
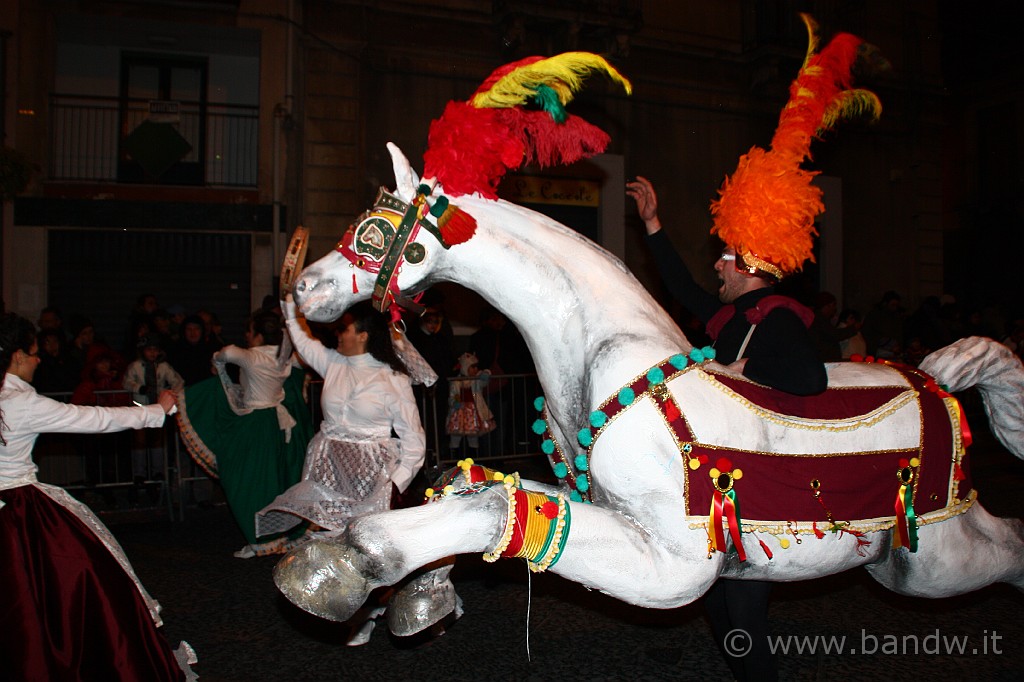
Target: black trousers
[{"x": 734, "y": 605}]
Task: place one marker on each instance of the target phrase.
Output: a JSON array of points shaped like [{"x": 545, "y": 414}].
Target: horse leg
[
  {"x": 957, "y": 556},
  {"x": 332, "y": 578},
  {"x": 605, "y": 550}
]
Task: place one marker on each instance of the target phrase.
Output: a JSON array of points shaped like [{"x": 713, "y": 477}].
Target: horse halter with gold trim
[{"x": 384, "y": 237}]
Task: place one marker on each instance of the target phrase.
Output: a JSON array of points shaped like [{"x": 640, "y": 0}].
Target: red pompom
[
  {"x": 549, "y": 509},
  {"x": 723, "y": 464}
]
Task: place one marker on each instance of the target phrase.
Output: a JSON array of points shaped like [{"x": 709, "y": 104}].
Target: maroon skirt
[{"x": 71, "y": 612}]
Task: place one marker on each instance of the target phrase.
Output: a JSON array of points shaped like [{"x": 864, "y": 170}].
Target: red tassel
[
  {"x": 355, "y": 288},
  {"x": 817, "y": 533},
  {"x": 456, "y": 226},
  {"x": 765, "y": 548}
]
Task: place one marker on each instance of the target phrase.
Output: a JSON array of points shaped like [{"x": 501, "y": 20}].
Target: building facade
[{"x": 177, "y": 143}]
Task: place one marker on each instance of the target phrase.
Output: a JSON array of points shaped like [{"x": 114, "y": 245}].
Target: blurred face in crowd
[
  {"x": 193, "y": 333},
  {"x": 85, "y": 337},
  {"x": 431, "y": 323},
  {"x": 51, "y": 345},
  {"x": 151, "y": 353},
  {"x": 48, "y": 320}
]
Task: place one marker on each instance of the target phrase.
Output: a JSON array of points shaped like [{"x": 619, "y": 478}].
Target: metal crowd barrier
[{"x": 99, "y": 468}]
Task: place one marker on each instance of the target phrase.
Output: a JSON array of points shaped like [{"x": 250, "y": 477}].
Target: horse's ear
[{"x": 406, "y": 180}]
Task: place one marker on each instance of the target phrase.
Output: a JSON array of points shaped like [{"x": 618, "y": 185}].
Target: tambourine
[{"x": 294, "y": 260}]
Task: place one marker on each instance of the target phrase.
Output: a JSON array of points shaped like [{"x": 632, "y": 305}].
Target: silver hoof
[
  {"x": 322, "y": 578},
  {"x": 422, "y": 602}
]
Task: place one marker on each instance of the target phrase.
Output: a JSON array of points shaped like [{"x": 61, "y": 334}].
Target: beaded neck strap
[{"x": 575, "y": 471}]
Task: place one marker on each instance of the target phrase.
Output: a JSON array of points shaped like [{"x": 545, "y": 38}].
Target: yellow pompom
[
  {"x": 737, "y": 474},
  {"x": 511, "y": 480},
  {"x": 715, "y": 473},
  {"x": 915, "y": 462},
  {"x": 469, "y": 462},
  {"x": 449, "y": 489},
  {"x": 784, "y": 542},
  {"x": 694, "y": 463},
  {"x": 429, "y": 492},
  {"x": 498, "y": 476}
]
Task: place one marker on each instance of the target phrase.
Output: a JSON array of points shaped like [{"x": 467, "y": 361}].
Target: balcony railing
[{"x": 89, "y": 134}]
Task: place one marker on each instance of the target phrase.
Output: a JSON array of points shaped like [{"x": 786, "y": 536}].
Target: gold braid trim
[
  {"x": 836, "y": 425},
  {"x": 510, "y": 523},
  {"x": 864, "y": 525}
]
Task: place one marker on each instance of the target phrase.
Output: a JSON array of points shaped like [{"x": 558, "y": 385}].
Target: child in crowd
[
  {"x": 468, "y": 414},
  {"x": 149, "y": 374}
]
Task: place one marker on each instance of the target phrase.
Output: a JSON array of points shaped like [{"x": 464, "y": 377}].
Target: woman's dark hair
[
  {"x": 16, "y": 333},
  {"x": 378, "y": 331},
  {"x": 269, "y": 325}
]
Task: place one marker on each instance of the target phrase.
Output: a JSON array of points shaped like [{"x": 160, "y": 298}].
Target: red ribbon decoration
[{"x": 726, "y": 504}]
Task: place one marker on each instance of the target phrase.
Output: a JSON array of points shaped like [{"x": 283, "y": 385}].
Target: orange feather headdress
[{"x": 766, "y": 209}]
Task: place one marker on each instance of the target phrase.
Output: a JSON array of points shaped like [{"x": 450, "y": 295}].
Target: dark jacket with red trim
[{"x": 780, "y": 353}]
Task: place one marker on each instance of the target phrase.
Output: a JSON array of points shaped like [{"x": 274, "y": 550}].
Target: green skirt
[{"x": 247, "y": 453}]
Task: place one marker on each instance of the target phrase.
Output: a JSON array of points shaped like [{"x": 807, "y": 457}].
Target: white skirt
[{"x": 341, "y": 479}]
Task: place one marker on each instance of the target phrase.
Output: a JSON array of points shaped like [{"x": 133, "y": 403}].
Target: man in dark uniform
[
  {"x": 779, "y": 351},
  {"x": 765, "y": 337}
]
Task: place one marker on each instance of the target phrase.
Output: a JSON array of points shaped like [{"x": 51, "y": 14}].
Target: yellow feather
[
  {"x": 850, "y": 104},
  {"x": 812, "y": 36},
  {"x": 563, "y": 73}
]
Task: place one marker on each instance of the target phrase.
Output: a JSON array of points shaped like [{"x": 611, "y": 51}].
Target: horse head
[{"x": 388, "y": 254}]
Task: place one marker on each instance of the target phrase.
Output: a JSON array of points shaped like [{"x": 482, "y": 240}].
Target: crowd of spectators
[
  {"x": 78, "y": 365},
  {"x": 889, "y": 330}
]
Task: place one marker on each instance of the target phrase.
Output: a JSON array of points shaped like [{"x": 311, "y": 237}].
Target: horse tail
[{"x": 998, "y": 375}]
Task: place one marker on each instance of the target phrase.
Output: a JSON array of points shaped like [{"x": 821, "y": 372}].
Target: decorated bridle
[{"x": 383, "y": 238}]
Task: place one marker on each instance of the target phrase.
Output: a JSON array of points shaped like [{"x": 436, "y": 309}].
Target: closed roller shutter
[{"x": 101, "y": 274}]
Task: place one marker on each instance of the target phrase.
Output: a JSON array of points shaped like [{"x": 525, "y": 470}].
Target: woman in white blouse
[
  {"x": 72, "y": 606},
  {"x": 251, "y": 435},
  {"x": 353, "y": 461}
]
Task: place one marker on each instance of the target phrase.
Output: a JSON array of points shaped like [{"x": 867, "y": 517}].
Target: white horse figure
[{"x": 657, "y": 444}]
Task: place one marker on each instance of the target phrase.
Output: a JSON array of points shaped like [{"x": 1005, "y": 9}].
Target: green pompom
[
  {"x": 582, "y": 484},
  {"x": 626, "y": 396},
  {"x": 678, "y": 361},
  {"x": 561, "y": 470},
  {"x": 539, "y": 426},
  {"x": 581, "y": 462},
  {"x": 709, "y": 352},
  {"x": 598, "y": 419},
  {"x": 655, "y": 375},
  {"x": 585, "y": 437},
  {"x": 538, "y": 403},
  {"x": 547, "y": 446},
  {"x": 439, "y": 207},
  {"x": 575, "y": 496}
]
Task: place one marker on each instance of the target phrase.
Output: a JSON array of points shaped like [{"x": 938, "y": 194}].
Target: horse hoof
[
  {"x": 416, "y": 607},
  {"x": 321, "y": 577}
]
